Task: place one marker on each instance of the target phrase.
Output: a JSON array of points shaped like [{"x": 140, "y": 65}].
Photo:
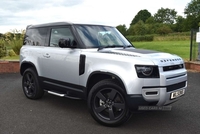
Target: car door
[{"x": 60, "y": 66}]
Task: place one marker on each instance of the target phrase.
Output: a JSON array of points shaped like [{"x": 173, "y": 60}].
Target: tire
[
  {"x": 30, "y": 84},
  {"x": 107, "y": 104}
]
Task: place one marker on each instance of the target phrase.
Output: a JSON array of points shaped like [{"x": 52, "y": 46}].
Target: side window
[
  {"x": 60, "y": 33},
  {"x": 35, "y": 37}
]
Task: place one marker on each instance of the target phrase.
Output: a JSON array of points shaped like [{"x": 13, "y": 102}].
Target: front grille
[
  {"x": 173, "y": 67},
  {"x": 176, "y": 86}
]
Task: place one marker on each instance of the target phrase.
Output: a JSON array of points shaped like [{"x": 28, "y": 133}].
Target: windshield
[{"x": 101, "y": 36}]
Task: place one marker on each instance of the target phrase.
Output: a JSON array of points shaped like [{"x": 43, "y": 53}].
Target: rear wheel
[
  {"x": 31, "y": 85},
  {"x": 107, "y": 103}
]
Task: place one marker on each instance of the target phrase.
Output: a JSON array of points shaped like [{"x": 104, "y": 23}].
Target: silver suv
[{"x": 98, "y": 64}]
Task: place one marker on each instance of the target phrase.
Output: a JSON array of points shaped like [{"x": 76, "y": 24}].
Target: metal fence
[{"x": 194, "y": 46}]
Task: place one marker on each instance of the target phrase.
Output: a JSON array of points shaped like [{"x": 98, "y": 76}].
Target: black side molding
[{"x": 82, "y": 64}]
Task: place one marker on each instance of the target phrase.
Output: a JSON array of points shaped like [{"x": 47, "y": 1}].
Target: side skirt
[{"x": 63, "y": 89}]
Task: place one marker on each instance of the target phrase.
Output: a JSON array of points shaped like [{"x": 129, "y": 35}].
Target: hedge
[{"x": 140, "y": 38}]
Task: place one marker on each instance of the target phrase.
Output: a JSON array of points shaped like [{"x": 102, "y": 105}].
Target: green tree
[
  {"x": 165, "y": 15},
  {"x": 141, "y": 15},
  {"x": 1, "y": 35},
  {"x": 140, "y": 28},
  {"x": 122, "y": 29},
  {"x": 2, "y": 49},
  {"x": 152, "y": 28},
  {"x": 193, "y": 8},
  {"x": 131, "y": 30},
  {"x": 151, "y": 25},
  {"x": 164, "y": 29},
  {"x": 191, "y": 23},
  {"x": 192, "y": 12},
  {"x": 15, "y": 39},
  {"x": 179, "y": 26},
  {"x": 150, "y": 20}
]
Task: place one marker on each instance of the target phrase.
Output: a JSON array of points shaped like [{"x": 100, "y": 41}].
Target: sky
[{"x": 17, "y": 14}]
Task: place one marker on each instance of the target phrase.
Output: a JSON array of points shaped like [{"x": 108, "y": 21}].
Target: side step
[{"x": 63, "y": 95}]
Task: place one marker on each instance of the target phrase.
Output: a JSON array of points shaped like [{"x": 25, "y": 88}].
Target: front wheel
[
  {"x": 31, "y": 85},
  {"x": 107, "y": 105}
]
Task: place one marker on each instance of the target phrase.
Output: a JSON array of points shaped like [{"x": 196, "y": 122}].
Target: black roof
[
  {"x": 57, "y": 24},
  {"x": 50, "y": 24}
]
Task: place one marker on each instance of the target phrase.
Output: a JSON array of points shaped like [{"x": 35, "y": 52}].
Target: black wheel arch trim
[
  {"x": 22, "y": 68},
  {"x": 106, "y": 73}
]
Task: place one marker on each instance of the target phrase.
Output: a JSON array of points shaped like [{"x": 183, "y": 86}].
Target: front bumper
[
  {"x": 163, "y": 94},
  {"x": 155, "y": 96}
]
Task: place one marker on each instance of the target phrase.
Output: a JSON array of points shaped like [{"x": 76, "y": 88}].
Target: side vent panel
[{"x": 82, "y": 64}]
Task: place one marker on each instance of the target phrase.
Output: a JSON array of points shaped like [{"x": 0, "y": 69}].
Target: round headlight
[{"x": 147, "y": 71}]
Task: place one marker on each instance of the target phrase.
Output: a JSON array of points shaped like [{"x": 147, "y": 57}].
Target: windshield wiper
[
  {"x": 127, "y": 46},
  {"x": 109, "y": 46}
]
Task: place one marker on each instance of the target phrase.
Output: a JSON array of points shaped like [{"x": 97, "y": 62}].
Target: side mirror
[
  {"x": 67, "y": 43},
  {"x": 64, "y": 43},
  {"x": 73, "y": 44}
]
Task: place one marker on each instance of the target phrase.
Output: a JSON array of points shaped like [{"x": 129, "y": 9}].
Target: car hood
[{"x": 154, "y": 56}]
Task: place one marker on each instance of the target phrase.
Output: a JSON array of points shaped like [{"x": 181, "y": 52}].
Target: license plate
[{"x": 177, "y": 93}]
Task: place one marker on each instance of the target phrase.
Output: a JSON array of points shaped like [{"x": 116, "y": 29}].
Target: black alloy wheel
[
  {"x": 31, "y": 85},
  {"x": 107, "y": 104}
]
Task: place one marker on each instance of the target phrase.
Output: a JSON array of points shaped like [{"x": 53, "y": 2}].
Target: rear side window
[{"x": 35, "y": 37}]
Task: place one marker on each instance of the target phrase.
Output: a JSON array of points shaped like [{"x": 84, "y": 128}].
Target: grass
[
  {"x": 11, "y": 58},
  {"x": 180, "y": 48}
]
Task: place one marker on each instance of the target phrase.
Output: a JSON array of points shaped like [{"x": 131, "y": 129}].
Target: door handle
[{"x": 46, "y": 55}]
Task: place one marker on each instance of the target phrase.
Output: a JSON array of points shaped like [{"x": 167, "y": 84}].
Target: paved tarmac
[{"x": 55, "y": 115}]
